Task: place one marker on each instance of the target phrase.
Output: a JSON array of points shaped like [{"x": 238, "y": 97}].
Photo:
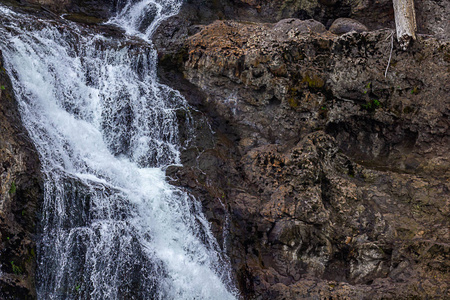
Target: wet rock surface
[
  {"x": 99, "y": 9},
  {"x": 324, "y": 177},
  {"x": 21, "y": 194},
  {"x": 92, "y": 12}
]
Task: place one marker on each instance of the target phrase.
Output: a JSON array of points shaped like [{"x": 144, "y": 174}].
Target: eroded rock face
[
  {"x": 376, "y": 14},
  {"x": 83, "y": 11},
  {"x": 330, "y": 179},
  {"x": 21, "y": 193},
  {"x": 431, "y": 16}
]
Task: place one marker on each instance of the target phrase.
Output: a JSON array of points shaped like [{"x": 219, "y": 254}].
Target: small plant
[
  {"x": 368, "y": 87},
  {"x": 415, "y": 90},
  {"x": 16, "y": 269},
  {"x": 323, "y": 107},
  {"x": 13, "y": 188},
  {"x": 2, "y": 87},
  {"x": 372, "y": 105},
  {"x": 78, "y": 287}
]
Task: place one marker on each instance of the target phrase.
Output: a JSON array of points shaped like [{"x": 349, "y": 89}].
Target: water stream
[{"x": 105, "y": 129}]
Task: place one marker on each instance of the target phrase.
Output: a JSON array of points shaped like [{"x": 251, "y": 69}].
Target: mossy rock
[{"x": 313, "y": 81}]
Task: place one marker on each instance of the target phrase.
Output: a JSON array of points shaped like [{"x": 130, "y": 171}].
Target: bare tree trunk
[{"x": 405, "y": 21}]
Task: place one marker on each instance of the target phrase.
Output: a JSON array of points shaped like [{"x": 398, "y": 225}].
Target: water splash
[
  {"x": 142, "y": 17},
  {"x": 112, "y": 227}
]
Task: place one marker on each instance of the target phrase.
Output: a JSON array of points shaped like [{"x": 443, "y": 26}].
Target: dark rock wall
[
  {"x": 21, "y": 194},
  {"x": 83, "y": 11},
  {"x": 328, "y": 178}
]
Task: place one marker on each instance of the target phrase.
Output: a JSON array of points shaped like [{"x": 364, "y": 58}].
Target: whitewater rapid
[{"x": 105, "y": 129}]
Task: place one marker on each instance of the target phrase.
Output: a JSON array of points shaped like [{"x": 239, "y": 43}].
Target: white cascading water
[{"x": 111, "y": 226}]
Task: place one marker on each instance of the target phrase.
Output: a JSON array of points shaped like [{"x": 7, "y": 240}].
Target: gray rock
[
  {"x": 344, "y": 25},
  {"x": 291, "y": 27}
]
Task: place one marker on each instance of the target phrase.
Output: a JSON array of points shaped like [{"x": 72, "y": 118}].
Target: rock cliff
[{"x": 327, "y": 175}]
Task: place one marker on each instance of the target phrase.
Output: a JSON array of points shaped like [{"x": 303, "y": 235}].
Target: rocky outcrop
[
  {"x": 329, "y": 174},
  {"x": 21, "y": 194},
  {"x": 83, "y": 11}
]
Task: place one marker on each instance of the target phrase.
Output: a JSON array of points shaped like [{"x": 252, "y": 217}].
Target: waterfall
[{"x": 105, "y": 129}]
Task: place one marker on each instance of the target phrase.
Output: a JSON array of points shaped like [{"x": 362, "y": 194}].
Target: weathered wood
[{"x": 405, "y": 21}]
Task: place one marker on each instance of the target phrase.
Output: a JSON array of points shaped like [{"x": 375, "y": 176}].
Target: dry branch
[{"x": 405, "y": 21}]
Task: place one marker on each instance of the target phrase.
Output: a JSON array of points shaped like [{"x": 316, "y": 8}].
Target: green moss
[
  {"x": 313, "y": 81},
  {"x": 293, "y": 102},
  {"x": 368, "y": 88},
  {"x": 294, "y": 96},
  {"x": 371, "y": 105},
  {"x": 16, "y": 269},
  {"x": 31, "y": 256},
  {"x": 13, "y": 188}
]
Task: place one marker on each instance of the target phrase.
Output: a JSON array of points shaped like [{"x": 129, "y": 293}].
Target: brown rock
[
  {"x": 335, "y": 177},
  {"x": 291, "y": 27},
  {"x": 344, "y": 25}
]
